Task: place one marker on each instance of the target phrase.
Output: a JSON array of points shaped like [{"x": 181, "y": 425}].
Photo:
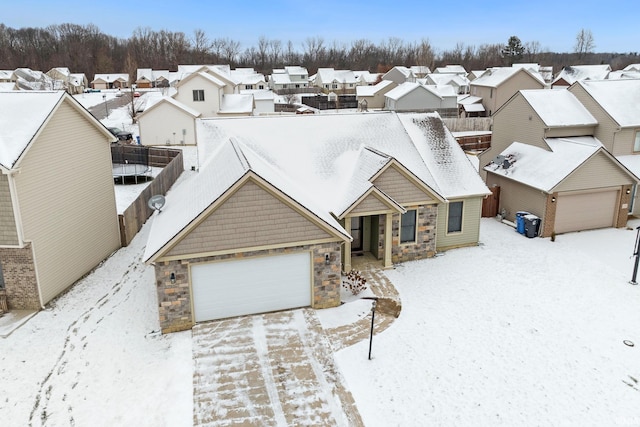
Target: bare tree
[
  {"x": 532, "y": 49},
  {"x": 584, "y": 43},
  {"x": 201, "y": 46}
]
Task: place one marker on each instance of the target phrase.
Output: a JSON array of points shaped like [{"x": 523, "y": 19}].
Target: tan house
[
  {"x": 283, "y": 204},
  {"x": 546, "y": 160},
  {"x": 400, "y": 74},
  {"x": 497, "y": 85},
  {"x": 614, "y": 104},
  {"x": 373, "y": 97},
  {"x": 74, "y": 83},
  {"x": 110, "y": 81},
  {"x": 168, "y": 122},
  {"x": 571, "y": 74},
  {"x": 58, "y": 219}
]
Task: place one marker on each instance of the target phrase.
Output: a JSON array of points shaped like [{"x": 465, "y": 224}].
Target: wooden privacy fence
[{"x": 134, "y": 217}]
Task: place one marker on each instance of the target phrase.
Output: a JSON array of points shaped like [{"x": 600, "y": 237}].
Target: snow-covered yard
[{"x": 516, "y": 331}]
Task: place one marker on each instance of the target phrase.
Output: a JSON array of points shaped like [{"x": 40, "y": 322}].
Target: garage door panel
[
  {"x": 257, "y": 285},
  {"x": 585, "y": 211}
]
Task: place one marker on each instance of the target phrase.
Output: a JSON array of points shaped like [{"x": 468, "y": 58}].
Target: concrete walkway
[{"x": 277, "y": 369}]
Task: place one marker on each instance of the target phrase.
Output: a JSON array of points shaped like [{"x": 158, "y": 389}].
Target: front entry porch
[{"x": 370, "y": 238}]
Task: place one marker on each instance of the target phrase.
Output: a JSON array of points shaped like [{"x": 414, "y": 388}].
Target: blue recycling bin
[
  {"x": 138, "y": 139},
  {"x": 520, "y": 221}
]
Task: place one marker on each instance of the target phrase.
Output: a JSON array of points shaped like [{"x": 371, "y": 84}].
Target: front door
[{"x": 356, "y": 233}]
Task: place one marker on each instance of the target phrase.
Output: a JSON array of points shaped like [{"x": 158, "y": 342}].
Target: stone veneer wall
[
  {"x": 425, "y": 244},
  {"x": 21, "y": 286},
  {"x": 174, "y": 299}
]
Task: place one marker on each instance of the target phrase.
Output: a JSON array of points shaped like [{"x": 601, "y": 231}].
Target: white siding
[{"x": 158, "y": 126}]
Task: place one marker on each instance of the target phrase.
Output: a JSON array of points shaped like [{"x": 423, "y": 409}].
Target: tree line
[{"x": 84, "y": 48}]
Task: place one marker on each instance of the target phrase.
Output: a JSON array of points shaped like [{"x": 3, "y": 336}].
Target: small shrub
[{"x": 354, "y": 282}]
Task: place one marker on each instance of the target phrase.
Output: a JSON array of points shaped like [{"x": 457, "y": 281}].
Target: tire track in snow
[{"x": 74, "y": 343}]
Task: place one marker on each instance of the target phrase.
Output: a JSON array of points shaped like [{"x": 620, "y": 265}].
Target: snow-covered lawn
[{"x": 514, "y": 332}]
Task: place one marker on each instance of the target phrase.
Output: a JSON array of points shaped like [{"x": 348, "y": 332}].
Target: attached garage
[
  {"x": 586, "y": 210},
  {"x": 248, "y": 286}
]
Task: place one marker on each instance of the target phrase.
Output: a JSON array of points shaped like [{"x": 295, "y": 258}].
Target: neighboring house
[
  {"x": 571, "y": 74},
  {"x": 417, "y": 97},
  {"x": 497, "y": 85},
  {"x": 248, "y": 79},
  {"x": 148, "y": 78},
  {"x": 572, "y": 184},
  {"x": 8, "y": 76},
  {"x": 474, "y": 74},
  {"x": 614, "y": 104},
  {"x": 451, "y": 69},
  {"x": 546, "y": 160},
  {"x": 420, "y": 71},
  {"x": 168, "y": 122},
  {"x": 279, "y": 209},
  {"x": 264, "y": 100},
  {"x": 74, "y": 83},
  {"x": 399, "y": 74},
  {"x": 203, "y": 92},
  {"x": 110, "y": 81},
  {"x": 58, "y": 217},
  {"x": 342, "y": 81},
  {"x": 28, "y": 79},
  {"x": 632, "y": 67},
  {"x": 373, "y": 97},
  {"x": 458, "y": 82},
  {"x": 288, "y": 78},
  {"x": 366, "y": 78}
]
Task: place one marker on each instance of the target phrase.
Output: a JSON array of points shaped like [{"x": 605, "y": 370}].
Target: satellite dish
[{"x": 156, "y": 202}]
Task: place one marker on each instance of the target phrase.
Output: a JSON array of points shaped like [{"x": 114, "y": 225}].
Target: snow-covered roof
[
  {"x": 448, "y": 79},
  {"x": 327, "y": 75},
  {"x": 62, "y": 70},
  {"x": 372, "y": 90},
  {"x": 420, "y": 69},
  {"x": 209, "y": 77},
  {"x": 545, "y": 169},
  {"x": 144, "y": 73},
  {"x": 632, "y": 67},
  {"x": 23, "y": 113},
  {"x": 455, "y": 69},
  {"x": 574, "y": 73},
  {"x": 231, "y": 161},
  {"x": 532, "y": 66},
  {"x": 469, "y": 99},
  {"x": 494, "y": 77},
  {"x": 473, "y": 108},
  {"x": 77, "y": 79},
  {"x": 248, "y": 78},
  {"x": 236, "y": 104},
  {"x": 296, "y": 70},
  {"x": 154, "y": 101},
  {"x": 366, "y": 76},
  {"x": 618, "y": 97},
  {"x": 558, "y": 108},
  {"x": 110, "y": 78},
  {"x": 408, "y": 87},
  {"x": 280, "y": 78},
  {"x": 7, "y": 75},
  {"x": 4, "y": 86},
  {"x": 259, "y": 94},
  {"x": 621, "y": 74}
]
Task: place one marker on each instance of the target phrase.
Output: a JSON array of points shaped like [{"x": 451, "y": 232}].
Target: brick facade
[
  {"x": 425, "y": 244},
  {"x": 174, "y": 299},
  {"x": 21, "y": 287}
]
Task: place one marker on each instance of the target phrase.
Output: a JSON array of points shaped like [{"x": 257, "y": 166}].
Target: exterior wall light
[
  {"x": 173, "y": 277},
  {"x": 553, "y": 199},
  {"x": 628, "y": 191},
  {"x": 327, "y": 259}
]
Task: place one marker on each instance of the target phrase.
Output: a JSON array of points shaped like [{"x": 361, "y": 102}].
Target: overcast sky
[{"x": 554, "y": 24}]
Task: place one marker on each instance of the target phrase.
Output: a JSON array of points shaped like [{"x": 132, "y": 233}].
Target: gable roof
[
  {"x": 153, "y": 103},
  {"x": 619, "y": 98},
  {"x": 406, "y": 88},
  {"x": 230, "y": 163},
  {"x": 574, "y": 73},
  {"x": 558, "y": 108},
  {"x": 208, "y": 77},
  {"x": 546, "y": 169},
  {"x": 372, "y": 90},
  {"x": 494, "y": 77},
  {"x": 110, "y": 78},
  {"x": 24, "y": 115}
]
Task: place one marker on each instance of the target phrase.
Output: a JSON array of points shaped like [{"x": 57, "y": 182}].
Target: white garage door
[
  {"x": 586, "y": 211},
  {"x": 256, "y": 285}
]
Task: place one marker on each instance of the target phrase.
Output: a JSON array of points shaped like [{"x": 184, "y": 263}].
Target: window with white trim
[
  {"x": 454, "y": 218},
  {"x": 408, "y": 226},
  {"x": 636, "y": 142},
  {"x": 1, "y": 277},
  {"x": 198, "y": 95}
]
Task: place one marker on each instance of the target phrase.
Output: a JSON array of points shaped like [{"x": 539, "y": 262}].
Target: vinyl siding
[
  {"x": 8, "y": 231},
  {"x": 67, "y": 200},
  {"x": 623, "y": 141},
  {"x": 159, "y": 125},
  {"x": 517, "y": 197},
  {"x": 471, "y": 213},
  {"x": 519, "y": 81},
  {"x": 418, "y": 99},
  {"x": 251, "y": 217},
  {"x": 607, "y": 128},
  {"x": 371, "y": 204},
  {"x": 511, "y": 124},
  {"x": 212, "y": 96},
  {"x": 400, "y": 188},
  {"x": 597, "y": 172}
]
